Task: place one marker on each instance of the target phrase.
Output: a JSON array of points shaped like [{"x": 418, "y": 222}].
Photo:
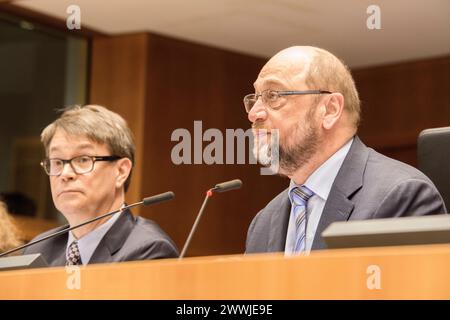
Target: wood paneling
[
  {"x": 118, "y": 81},
  {"x": 160, "y": 84},
  {"x": 189, "y": 82},
  {"x": 400, "y": 100}
]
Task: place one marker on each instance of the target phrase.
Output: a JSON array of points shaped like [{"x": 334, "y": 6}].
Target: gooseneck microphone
[
  {"x": 166, "y": 196},
  {"x": 220, "y": 187},
  {"x": 227, "y": 186}
]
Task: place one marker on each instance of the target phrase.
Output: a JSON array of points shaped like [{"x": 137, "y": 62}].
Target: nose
[
  {"x": 258, "y": 112},
  {"x": 67, "y": 172}
]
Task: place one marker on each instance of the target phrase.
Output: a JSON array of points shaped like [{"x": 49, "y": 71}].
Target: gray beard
[
  {"x": 296, "y": 156},
  {"x": 291, "y": 158}
]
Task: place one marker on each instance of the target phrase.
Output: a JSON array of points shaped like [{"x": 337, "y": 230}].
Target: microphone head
[
  {"x": 229, "y": 185},
  {"x": 166, "y": 196}
]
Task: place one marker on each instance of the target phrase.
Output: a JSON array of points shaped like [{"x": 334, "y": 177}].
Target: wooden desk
[{"x": 412, "y": 272}]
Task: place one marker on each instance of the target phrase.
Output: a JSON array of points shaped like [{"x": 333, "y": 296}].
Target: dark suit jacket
[
  {"x": 367, "y": 186},
  {"x": 129, "y": 238}
]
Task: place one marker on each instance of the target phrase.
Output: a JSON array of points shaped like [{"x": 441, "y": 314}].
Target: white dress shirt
[
  {"x": 89, "y": 242},
  {"x": 320, "y": 182}
]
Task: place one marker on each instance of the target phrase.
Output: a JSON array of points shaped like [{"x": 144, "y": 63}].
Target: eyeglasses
[
  {"x": 80, "y": 164},
  {"x": 271, "y": 98}
]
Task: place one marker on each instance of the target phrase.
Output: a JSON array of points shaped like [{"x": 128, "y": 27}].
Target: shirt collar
[
  {"x": 89, "y": 242},
  {"x": 321, "y": 180}
]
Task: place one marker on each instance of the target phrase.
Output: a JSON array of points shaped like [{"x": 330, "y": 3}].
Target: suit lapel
[
  {"x": 57, "y": 252},
  {"x": 62, "y": 259},
  {"x": 279, "y": 223},
  {"x": 349, "y": 180},
  {"x": 337, "y": 208},
  {"x": 113, "y": 239}
]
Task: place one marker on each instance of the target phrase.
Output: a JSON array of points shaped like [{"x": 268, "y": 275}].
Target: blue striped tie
[{"x": 300, "y": 196}]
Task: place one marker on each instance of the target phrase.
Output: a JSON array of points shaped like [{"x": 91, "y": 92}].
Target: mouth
[
  {"x": 69, "y": 192},
  {"x": 261, "y": 135},
  {"x": 260, "y": 132}
]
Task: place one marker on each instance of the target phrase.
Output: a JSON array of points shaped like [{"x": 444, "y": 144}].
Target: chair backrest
[{"x": 433, "y": 158}]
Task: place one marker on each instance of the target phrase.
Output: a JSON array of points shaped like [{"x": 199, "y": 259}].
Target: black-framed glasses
[
  {"x": 271, "y": 98},
  {"x": 80, "y": 164}
]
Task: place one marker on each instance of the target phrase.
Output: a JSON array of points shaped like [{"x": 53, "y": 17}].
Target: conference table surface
[{"x": 403, "y": 272}]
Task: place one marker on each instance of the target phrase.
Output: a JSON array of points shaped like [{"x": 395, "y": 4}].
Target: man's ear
[
  {"x": 124, "y": 166},
  {"x": 332, "y": 111}
]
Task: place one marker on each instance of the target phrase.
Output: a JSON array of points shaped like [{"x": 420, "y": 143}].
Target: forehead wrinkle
[
  {"x": 290, "y": 71},
  {"x": 83, "y": 146}
]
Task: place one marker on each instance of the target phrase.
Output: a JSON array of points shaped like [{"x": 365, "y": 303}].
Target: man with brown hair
[
  {"x": 90, "y": 155},
  {"x": 309, "y": 95}
]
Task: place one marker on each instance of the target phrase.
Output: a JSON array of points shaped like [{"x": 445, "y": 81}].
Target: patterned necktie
[
  {"x": 73, "y": 255},
  {"x": 300, "y": 196}
]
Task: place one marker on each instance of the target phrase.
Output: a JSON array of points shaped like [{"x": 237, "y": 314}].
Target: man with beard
[{"x": 309, "y": 96}]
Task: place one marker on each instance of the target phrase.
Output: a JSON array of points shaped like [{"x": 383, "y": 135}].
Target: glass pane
[{"x": 41, "y": 70}]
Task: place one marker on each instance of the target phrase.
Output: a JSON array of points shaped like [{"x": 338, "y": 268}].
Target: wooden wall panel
[
  {"x": 189, "y": 82},
  {"x": 118, "y": 81},
  {"x": 160, "y": 84},
  {"x": 400, "y": 100}
]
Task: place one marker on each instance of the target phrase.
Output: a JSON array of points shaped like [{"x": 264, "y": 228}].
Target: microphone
[
  {"x": 220, "y": 187},
  {"x": 166, "y": 196},
  {"x": 227, "y": 186}
]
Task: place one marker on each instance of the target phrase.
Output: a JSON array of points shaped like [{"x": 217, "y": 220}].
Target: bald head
[
  {"x": 289, "y": 65},
  {"x": 318, "y": 69}
]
